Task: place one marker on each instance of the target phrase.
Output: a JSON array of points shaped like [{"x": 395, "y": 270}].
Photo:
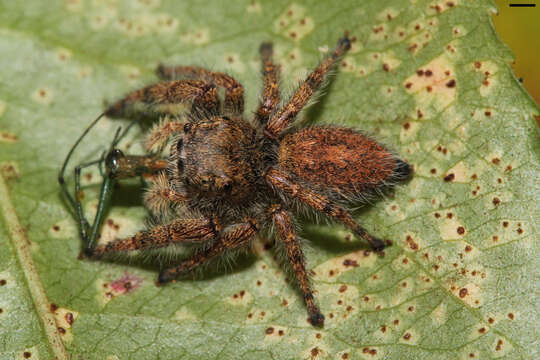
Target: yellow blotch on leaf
[{"x": 293, "y": 23}]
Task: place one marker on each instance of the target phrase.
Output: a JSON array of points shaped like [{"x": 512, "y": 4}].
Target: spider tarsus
[
  {"x": 345, "y": 42},
  {"x": 316, "y": 319},
  {"x": 403, "y": 170},
  {"x": 161, "y": 71},
  {"x": 266, "y": 49},
  {"x": 377, "y": 244},
  {"x": 164, "y": 277}
]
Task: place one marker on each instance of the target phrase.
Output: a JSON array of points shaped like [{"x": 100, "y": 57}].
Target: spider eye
[
  {"x": 226, "y": 117},
  {"x": 187, "y": 127},
  {"x": 227, "y": 187}
]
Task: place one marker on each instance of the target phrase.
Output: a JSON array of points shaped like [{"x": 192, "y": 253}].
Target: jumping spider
[{"x": 227, "y": 178}]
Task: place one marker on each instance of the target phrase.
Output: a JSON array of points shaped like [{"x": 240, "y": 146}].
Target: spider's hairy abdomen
[{"x": 339, "y": 158}]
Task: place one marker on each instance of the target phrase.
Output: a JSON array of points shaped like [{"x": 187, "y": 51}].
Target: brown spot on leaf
[
  {"x": 350, "y": 262},
  {"x": 269, "y": 331},
  {"x": 69, "y": 318},
  {"x": 450, "y": 177},
  {"x": 407, "y": 336}
]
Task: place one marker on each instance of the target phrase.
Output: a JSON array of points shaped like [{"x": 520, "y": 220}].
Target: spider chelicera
[{"x": 225, "y": 178}]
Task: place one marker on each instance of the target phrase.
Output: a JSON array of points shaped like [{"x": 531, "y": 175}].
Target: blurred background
[{"x": 519, "y": 27}]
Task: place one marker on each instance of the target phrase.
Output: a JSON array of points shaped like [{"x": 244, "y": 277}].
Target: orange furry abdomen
[{"x": 336, "y": 157}]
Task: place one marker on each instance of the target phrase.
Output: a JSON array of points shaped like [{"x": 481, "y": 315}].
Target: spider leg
[
  {"x": 178, "y": 231},
  {"x": 286, "y": 233},
  {"x": 160, "y": 133},
  {"x": 234, "y": 91},
  {"x": 201, "y": 94},
  {"x": 270, "y": 84},
  {"x": 161, "y": 193},
  {"x": 286, "y": 185},
  {"x": 285, "y": 117},
  {"x": 237, "y": 237}
]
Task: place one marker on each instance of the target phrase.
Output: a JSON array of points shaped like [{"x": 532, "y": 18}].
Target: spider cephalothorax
[{"x": 227, "y": 178}]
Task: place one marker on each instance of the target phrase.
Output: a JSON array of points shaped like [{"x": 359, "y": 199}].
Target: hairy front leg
[
  {"x": 287, "y": 235},
  {"x": 285, "y": 184},
  {"x": 202, "y": 95},
  {"x": 178, "y": 231},
  {"x": 235, "y": 238},
  {"x": 284, "y": 118},
  {"x": 234, "y": 91},
  {"x": 270, "y": 84}
]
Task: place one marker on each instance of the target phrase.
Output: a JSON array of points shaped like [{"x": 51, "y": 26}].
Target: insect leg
[
  {"x": 287, "y": 235},
  {"x": 235, "y": 238},
  {"x": 283, "y": 183},
  {"x": 61, "y": 179},
  {"x": 285, "y": 117}
]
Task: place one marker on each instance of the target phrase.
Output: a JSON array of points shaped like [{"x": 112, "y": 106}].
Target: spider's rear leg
[
  {"x": 285, "y": 117},
  {"x": 286, "y": 233},
  {"x": 178, "y": 231},
  {"x": 202, "y": 95},
  {"x": 285, "y": 184},
  {"x": 234, "y": 91},
  {"x": 270, "y": 84},
  {"x": 231, "y": 239}
]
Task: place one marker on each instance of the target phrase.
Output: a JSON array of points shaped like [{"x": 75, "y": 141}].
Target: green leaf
[{"x": 430, "y": 79}]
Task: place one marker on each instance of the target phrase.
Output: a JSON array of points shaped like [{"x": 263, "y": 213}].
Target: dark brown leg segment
[
  {"x": 234, "y": 92},
  {"x": 286, "y": 233},
  {"x": 283, "y": 182},
  {"x": 270, "y": 84},
  {"x": 239, "y": 236},
  {"x": 201, "y": 94},
  {"x": 183, "y": 230},
  {"x": 279, "y": 122}
]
